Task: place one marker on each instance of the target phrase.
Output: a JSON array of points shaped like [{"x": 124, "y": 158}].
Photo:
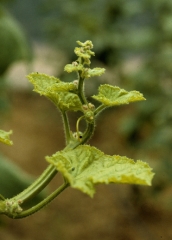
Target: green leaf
[
  {"x": 5, "y": 137},
  {"x": 111, "y": 96},
  {"x": 83, "y": 53},
  {"x": 94, "y": 72},
  {"x": 86, "y": 166},
  {"x": 88, "y": 44},
  {"x": 55, "y": 90},
  {"x": 74, "y": 67},
  {"x": 66, "y": 101},
  {"x": 63, "y": 87},
  {"x": 42, "y": 82}
]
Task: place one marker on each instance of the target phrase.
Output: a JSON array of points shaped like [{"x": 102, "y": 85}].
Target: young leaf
[
  {"x": 74, "y": 67},
  {"x": 94, "y": 72},
  {"x": 5, "y": 137},
  {"x": 63, "y": 87},
  {"x": 83, "y": 53},
  {"x": 111, "y": 96},
  {"x": 55, "y": 90},
  {"x": 65, "y": 101},
  {"x": 86, "y": 166},
  {"x": 86, "y": 44},
  {"x": 42, "y": 82}
]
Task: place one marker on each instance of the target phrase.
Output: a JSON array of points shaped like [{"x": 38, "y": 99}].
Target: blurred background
[{"x": 133, "y": 41}]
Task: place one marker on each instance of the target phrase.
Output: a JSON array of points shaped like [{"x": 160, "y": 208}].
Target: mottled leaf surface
[
  {"x": 111, "y": 96},
  {"x": 66, "y": 101},
  {"x": 42, "y": 82},
  {"x": 86, "y": 166},
  {"x": 60, "y": 93}
]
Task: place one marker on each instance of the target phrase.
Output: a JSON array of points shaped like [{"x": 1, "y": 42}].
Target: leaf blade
[
  {"x": 60, "y": 93},
  {"x": 94, "y": 72},
  {"x": 112, "y": 96},
  {"x": 42, "y": 82},
  {"x": 86, "y": 166}
]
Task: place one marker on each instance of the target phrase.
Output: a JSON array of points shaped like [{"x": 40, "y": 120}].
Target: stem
[
  {"x": 66, "y": 126},
  {"x": 77, "y": 125},
  {"x": 99, "y": 109},
  {"x": 40, "y": 205},
  {"x": 40, "y": 183},
  {"x": 86, "y": 136},
  {"x": 81, "y": 90},
  {"x": 88, "y": 133}
]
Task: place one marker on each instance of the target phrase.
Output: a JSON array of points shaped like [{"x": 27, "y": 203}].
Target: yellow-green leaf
[
  {"x": 5, "y": 137},
  {"x": 74, "y": 67},
  {"x": 88, "y": 44},
  {"x": 83, "y": 53},
  {"x": 66, "y": 101},
  {"x": 42, "y": 82},
  {"x": 111, "y": 96},
  {"x": 86, "y": 166},
  {"x": 57, "y": 91},
  {"x": 63, "y": 87},
  {"x": 94, "y": 72}
]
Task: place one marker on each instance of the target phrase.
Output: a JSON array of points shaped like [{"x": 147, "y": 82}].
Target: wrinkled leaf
[
  {"x": 111, "y": 96},
  {"x": 55, "y": 90},
  {"x": 66, "y": 101},
  {"x": 5, "y": 137},
  {"x": 86, "y": 166},
  {"x": 42, "y": 82}
]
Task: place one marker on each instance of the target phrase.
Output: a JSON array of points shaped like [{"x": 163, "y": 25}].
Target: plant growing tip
[{"x": 81, "y": 165}]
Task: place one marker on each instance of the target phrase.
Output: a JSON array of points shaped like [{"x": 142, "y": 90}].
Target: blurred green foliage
[
  {"x": 14, "y": 180},
  {"x": 117, "y": 28},
  {"x": 13, "y": 42},
  {"x": 13, "y": 47}
]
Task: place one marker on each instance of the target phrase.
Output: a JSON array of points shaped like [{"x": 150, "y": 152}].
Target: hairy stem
[
  {"x": 66, "y": 126},
  {"x": 40, "y": 205},
  {"x": 81, "y": 90},
  {"x": 88, "y": 133},
  {"x": 99, "y": 109},
  {"x": 40, "y": 183},
  {"x": 86, "y": 137}
]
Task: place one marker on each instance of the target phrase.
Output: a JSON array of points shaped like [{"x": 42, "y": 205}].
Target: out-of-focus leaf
[
  {"x": 111, "y": 96},
  {"x": 13, "y": 42},
  {"x": 86, "y": 166},
  {"x": 5, "y": 137},
  {"x": 82, "y": 54},
  {"x": 13, "y": 180}
]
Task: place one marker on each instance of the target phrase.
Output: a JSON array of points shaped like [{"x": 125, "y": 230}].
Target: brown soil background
[{"x": 113, "y": 214}]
